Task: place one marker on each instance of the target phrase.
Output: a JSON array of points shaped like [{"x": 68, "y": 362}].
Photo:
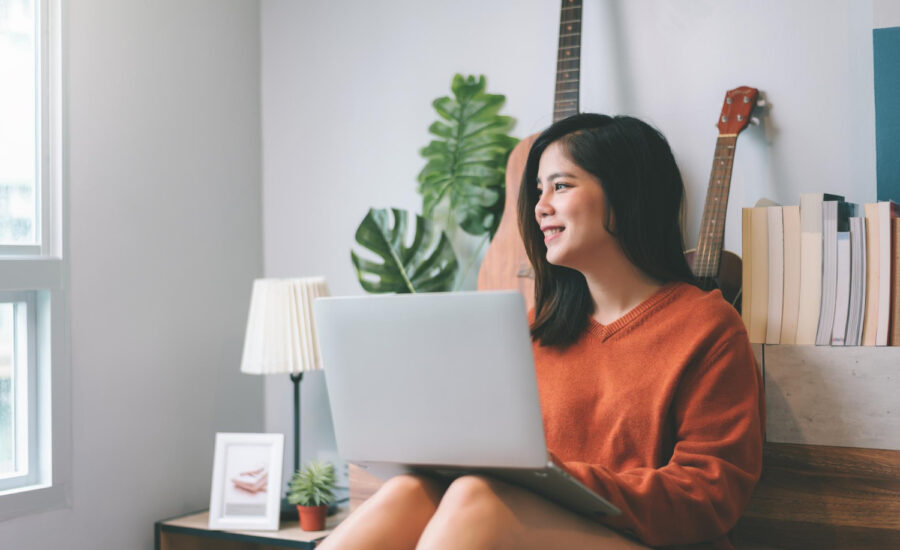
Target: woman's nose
[{"x": 543, "y": 207}]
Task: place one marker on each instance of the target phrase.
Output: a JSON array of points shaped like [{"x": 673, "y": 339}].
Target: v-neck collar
[{"x": 604, "y": 332}]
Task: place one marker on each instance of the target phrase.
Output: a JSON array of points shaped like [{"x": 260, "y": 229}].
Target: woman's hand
[{"x": 555, "y": 459}]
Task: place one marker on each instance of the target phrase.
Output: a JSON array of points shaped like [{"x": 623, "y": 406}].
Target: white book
[
  {"x": 873, "y": 254},
  {"x": 776, "y": 274},
  {"x": 829, "y": 272},
  {"x": 842, "y": 290},
  {"x": 791, "y": 302},
  {"x": 835, "y": 218},
  {"x": 886, "y": 211},
  {"x": 810, "y": 264},
  {"x": 759, "y": 293},
  {"x": 856, "y": 311}
]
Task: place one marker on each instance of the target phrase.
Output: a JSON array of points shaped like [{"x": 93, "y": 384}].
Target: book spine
[
  {"x": 856, "y": 311},
  {"x": 791, "y": 302},
  {"x": 746, "y": 271},
  {"x": 842, "y": 290},
  {"x": 870, "y": 317},
  {"x": 829, "y": 272},
  {"x": 895, "y": 284},
  {"x": 810, "y": 266},
  {"x": 887, "y": 211},
  {"x": 776, "y": 274},
  {"x": 759, "y": 251}
]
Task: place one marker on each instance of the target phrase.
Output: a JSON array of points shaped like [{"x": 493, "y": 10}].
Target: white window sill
[{"x": 33, "y": 499}]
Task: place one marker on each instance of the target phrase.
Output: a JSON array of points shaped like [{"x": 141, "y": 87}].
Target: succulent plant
[{"x": 312, "y": 485}]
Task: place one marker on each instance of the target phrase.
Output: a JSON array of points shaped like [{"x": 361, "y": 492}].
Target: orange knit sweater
[{"x": 661, "y": 412}]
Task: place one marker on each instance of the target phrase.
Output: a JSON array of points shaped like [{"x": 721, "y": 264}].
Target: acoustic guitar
[
  {"x": 505, "y": 265},
  {"x": 713, "y": 266}
]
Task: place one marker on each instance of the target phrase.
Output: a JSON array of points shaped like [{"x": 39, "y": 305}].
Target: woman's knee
[
  {"x": 411, "y": 490},
  {"x": 475, "y": 494}
]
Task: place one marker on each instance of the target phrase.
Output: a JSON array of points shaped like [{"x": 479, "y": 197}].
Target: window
[
  {"x": 19, "y": 159},
  {"x": 34, "y": 404},
  {"x": 19, "y": 458}
]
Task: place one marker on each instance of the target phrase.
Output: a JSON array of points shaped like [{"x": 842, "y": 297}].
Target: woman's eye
[{"x": 560, "y": 186}]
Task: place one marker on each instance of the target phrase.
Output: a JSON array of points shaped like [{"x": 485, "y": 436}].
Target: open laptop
[{"x": 441, "y": 383}]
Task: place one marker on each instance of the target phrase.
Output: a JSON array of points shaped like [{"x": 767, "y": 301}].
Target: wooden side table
[{"x": 191, "y": 532}]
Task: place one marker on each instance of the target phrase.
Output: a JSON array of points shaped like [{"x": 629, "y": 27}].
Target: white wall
[
  {"x": 165, "y": 232},
  {"x": 347, "y": 87},
  {"x": 886, "y": 13}
]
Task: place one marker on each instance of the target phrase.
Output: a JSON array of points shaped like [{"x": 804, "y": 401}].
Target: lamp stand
[
  {"x": 288, "y": 510},
  {"x": 296, "y": 378}
]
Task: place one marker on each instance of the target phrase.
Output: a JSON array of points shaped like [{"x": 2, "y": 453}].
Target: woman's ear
[{"x": 610, "y": 220}]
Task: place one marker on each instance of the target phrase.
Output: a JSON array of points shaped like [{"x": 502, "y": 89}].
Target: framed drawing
[{"x": 246, "y": 481}]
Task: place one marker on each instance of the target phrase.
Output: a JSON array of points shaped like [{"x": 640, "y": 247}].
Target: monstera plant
[
  {"x": 427, "y": 265},
  {"x": 462, "y": 188}
]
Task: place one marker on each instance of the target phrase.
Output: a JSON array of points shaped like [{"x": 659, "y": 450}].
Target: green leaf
[
  {"x": 428, "y": 264},
  {"x": 467, "y": 164},
  {"x": 312, "y": 485}
]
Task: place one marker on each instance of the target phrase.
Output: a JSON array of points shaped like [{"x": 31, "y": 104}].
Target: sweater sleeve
[{"x": 716, "y": 461}]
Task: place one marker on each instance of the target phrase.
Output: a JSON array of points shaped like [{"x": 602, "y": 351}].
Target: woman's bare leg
[
  {"x": 393, "y": 518},
  {"x": 478, "y": 512}
]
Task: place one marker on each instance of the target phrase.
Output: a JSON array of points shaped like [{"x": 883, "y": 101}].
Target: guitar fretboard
[
  {"x": 568, "y": 61},
  {"x": 712, "y": 226}
]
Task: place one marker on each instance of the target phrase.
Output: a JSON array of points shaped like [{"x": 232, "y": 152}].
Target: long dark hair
[{"x": 644, "y": 195}]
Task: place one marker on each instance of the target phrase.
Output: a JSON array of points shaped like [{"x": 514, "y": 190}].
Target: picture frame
[{"x": 246, "y": 481}]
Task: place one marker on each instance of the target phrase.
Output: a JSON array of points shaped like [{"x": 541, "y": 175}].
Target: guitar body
[
  {"x": 505, "y": 265},
  {"x": 729, "y": 279}
]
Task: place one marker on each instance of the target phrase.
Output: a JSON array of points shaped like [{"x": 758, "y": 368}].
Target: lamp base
[{"x": 288, "y": 511}]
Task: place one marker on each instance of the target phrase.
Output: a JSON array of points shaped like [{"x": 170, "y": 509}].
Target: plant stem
[{"x": 472, "y": 261}]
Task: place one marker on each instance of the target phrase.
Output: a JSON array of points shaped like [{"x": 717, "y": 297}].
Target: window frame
[
  {"x": 26, "y": 395},
  {"x": 41, "y": 272}
]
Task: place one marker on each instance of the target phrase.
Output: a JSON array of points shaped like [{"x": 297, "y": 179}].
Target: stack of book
[{"x": 825, "y": 272}]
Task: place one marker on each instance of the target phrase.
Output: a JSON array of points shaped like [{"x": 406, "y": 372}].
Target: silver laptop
[{"x": 443, "y": 384}]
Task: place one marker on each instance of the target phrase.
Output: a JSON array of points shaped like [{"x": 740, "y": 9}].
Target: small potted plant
[{"x": 311, "y": 489}]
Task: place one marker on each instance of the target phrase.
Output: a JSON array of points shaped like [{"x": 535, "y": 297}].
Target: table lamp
[{"x": 281, "y": 334}]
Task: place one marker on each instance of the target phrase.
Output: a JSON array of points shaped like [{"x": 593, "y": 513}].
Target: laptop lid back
[{"x": 432, "y": 379}]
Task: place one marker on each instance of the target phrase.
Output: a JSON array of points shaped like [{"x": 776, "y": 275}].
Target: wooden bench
[{"x": 820, "y": 497}]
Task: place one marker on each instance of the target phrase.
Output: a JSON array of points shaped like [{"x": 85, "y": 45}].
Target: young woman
[{"x": 649, "y": 389}]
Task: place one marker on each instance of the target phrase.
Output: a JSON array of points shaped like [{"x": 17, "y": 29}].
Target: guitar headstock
[{"x": 736, "y": 111}]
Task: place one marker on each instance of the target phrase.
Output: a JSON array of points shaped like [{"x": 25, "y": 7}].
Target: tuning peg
[
  {"x": 761, "y": 103},
  {"x": 754, "y": 121}
]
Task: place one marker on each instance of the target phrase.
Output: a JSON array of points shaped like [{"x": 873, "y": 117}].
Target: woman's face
[{"x": 571, "y": 211}]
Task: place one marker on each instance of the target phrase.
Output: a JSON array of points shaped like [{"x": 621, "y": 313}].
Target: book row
[{"x": 826, "y": 272}]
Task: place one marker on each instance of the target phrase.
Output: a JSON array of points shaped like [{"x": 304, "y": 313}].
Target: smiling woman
[
  {"x": 649, "y": 391},
  {"x": 616, "y": 191}
]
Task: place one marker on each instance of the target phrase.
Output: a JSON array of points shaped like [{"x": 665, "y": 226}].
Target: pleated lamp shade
[{"x": 281, "y": 331}]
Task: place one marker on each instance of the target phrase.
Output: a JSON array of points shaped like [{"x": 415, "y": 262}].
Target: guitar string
[
  {"x": 721, "y": 208},
  {"x": 719, "y": 180},
  {"x": 702, "y": 257},
  {"x": 714, "y": 217},
  {"x": 705, "y": 252},
  {"x": 570, "y": 41}
]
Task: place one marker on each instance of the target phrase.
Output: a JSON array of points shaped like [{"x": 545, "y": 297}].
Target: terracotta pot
[{"x": 312, "y": 518}]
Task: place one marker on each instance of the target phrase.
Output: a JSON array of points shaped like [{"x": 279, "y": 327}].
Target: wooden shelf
[{"x": 191, "y": 532}]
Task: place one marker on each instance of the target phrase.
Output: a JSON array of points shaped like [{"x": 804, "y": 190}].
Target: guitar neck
[
  {"x": 712, "y": 226},
  {"x": 568, "y": 61}
]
